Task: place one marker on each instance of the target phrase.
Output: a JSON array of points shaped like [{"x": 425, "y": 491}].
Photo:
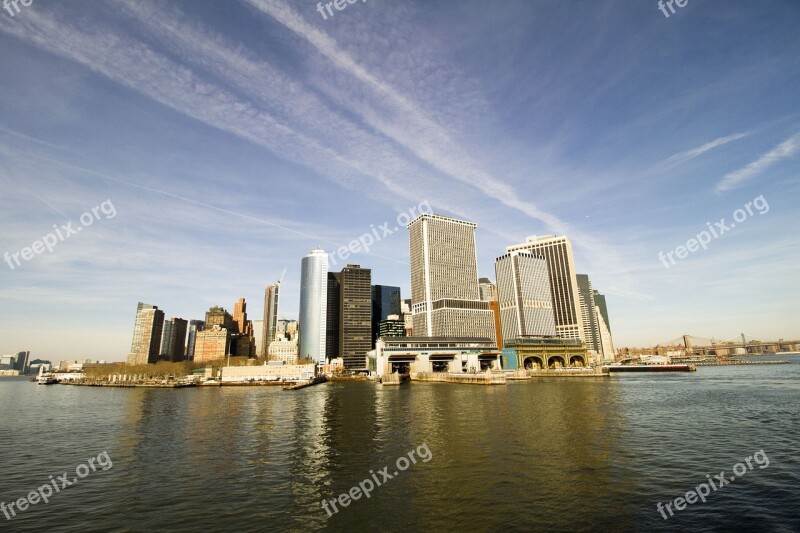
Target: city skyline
[{"x": 277, "y": 131}]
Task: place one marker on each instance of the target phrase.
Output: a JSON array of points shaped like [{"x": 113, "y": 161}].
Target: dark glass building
[{"x": 385, "y": 302}]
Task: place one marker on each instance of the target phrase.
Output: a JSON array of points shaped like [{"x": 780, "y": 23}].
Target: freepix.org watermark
[
  {"x": 338, "y": 4},
  {"x": 366, "y": 487},
  {"x": 704, "y": 489},
  {"x": 363, "y": 243},
  {"x": 663, "y": 5},
  {"x": 57, "y": 484},
  {"x": 9, "y": 4},
  {"x": 60, "y": 234},
  {"x": 717, "y": 230}
]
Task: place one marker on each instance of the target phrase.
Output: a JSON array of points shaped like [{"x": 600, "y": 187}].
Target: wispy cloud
[
  {"x": 787, "y": 148},
  {"x": 700, "y": 150}
]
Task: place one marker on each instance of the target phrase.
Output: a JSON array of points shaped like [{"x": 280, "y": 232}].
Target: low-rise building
[
  {"x": 407, "y": 355},
  {"x": 270, "y": 372},
  {"x": 544, "y": 352}
]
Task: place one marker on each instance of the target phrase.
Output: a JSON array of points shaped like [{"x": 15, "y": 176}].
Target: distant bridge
[{"x": 738, "y": 345}]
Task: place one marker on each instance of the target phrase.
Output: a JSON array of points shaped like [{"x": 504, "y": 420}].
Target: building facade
[
  {"x": 269, "y": 333},
  {"x": 283, "y": 350},
  {"x": 355, "y": 316},
  {"x": 385, "y": 301},
  {"x": 313, "y": 305},
  {"x": 591, "y": 331},
  {"x": 393, "y": 326},
  {"x": 212, "y": 344},
  {"x": 195, "y": 326},
  {"x": 406, "y": 355},
  {"x": 525, "y": 301},
  {"x": 146, "y": 342},
  {"x": 445, "y": 297},
  {"x": 173, "y": 338},
  {"x": 487, "y": 289},
  {"x": 557, "y": 251},
  {"x": 332, "y": 319}
]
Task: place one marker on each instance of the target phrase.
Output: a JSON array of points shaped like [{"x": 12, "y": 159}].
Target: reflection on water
[{"x": 582, "y": 454}]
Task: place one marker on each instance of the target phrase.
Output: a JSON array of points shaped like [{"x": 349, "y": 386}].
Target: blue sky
[{"x": 231, "y": 138}]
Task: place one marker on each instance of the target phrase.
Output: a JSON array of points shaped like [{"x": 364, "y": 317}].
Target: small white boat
[{"x": 46, "y": 379}]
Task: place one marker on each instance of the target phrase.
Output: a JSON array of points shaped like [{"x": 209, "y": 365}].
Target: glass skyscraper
[
  {"x": 313, "y": 305},
  {"x": 385, "y": 302}
]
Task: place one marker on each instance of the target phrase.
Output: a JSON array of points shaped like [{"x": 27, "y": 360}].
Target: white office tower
[
  {"x": 606, "y": 342},
  {"x": 557, "y": 251},
  {"x": 445, "y": 298},
  {"x": 313, "y": 305},
  {"x": 523, "y": 290}
]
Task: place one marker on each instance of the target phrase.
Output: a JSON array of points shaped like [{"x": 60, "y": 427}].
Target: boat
[{"x": 46, "y": 379}]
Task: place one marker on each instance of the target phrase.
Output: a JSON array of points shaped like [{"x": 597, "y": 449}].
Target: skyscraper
[
  {"x": 194, "y": 327},
  {"x": 313, "y": 305},
  {"x": 242, "y": 342},
  {"x": 146, "y": 334},
  {"x": 333, "y": 318},
  {"x": 22, "y": 361},
  {"x": 523, "y": 288},
  {"x": 604, "y": 327},
  {"x": 444, "y": 280},
  {"x": 240, "y": 317},
  {"x": 355, "y": 315},
  {"x": 385, "y": 302},
  {"x": 173, "y": 336},
  {"x": 557, "y": 251},
  {"x": 270, "y": 317},
  {"x": 591, "y": 330},
  {"x": 600, "y": 302}
]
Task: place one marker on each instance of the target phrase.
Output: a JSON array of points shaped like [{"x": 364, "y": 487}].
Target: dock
[
  {"x": 569, "y": 372},
  {"x": 394, "y": 379},
  {"x": 482, "y": 378},
  {"x": 651, "y": 368}
]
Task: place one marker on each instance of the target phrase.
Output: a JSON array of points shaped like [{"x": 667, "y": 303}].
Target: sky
[{"x": 219, "y": 142}]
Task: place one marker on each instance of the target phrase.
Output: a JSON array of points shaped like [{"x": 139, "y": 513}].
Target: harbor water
[{"x": 540, "y": 455}]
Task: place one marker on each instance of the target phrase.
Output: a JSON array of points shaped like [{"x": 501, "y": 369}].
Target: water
[{"x": 549, "y": 455}]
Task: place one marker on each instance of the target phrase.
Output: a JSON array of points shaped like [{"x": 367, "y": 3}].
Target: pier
[{"x": 478, "y": 378}]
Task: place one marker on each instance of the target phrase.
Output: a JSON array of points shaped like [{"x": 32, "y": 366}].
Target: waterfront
[{"x": 551, "y": 454}]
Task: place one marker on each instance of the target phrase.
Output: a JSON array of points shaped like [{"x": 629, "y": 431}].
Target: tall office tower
[
  {"x": 195, "y": 326},
  {"x": 523, "y": 288},
  {"x": 313, "y": 305},
  {"x": 270, "y": 317},
  {"x": 217, "y": 316},
  {"x": 243, "y": 344},
  {"x": 563, "y": 283},
  {"x": 600, "y": 301},
  {"x": 488, "y": 290},
  {"x": 606, "y": 342},
  {"x": 146, "y": 334},
  {"x": 444, "y": 280},
  {"x": 22, "y": 362},
  {"x": 240, "y": 317},
  {"x": 588, "y": 313},
  {"x": 173, "y": 337},
  {"x": 385, "y": 301},
  {"x": 355, "y": 315},
  {"x": 333, "y": 318},
  {"x": 258, "y": 336}
]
